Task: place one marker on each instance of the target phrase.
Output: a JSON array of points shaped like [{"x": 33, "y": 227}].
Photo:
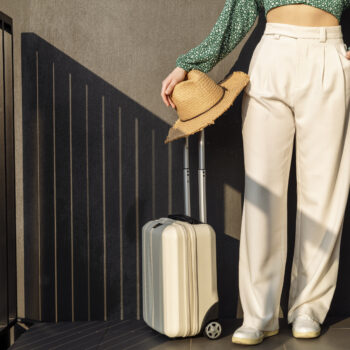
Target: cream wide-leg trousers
[{"x": 299, "y": 85}]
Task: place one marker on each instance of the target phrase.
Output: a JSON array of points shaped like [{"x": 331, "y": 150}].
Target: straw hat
[{"x": 199, "y": 101}]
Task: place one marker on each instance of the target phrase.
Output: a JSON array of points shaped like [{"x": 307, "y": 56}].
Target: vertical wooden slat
[
  {"x": 38, "y": 180},
  {"x": 121, "y": 221},
  {"x": 161, "y": 174},
  {"x": 30, "y": 205},
  {"x": 104, "y": 212},
  {"x": 64, "y": 287},
  {"x": 170, "y": 179},
  {"x": 96, "y": 201},
  {"x": 10, "y": 175},
  {"x": 112, "y": 206},
  {"x": 128, "y": 183},
  {"x": 87, "y": 200},
  {"x": 137, "y": 214},
  {"x": 45, "y": 186},
  {"x": 79, "y": 197},
  {"x": 54, "y": 186},
  {"x": 3, "y": 234},
  {"x": 153, "y": 163},
  {"x": 71, "y": 196}
]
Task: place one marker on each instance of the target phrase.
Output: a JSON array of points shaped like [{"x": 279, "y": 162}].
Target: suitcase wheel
[{"x": 213, "y": 330}]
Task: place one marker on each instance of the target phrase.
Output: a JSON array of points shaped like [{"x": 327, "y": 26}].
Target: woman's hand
[
  {"x": 347, "y": 55},
  {"x": 176, "y": 76}
]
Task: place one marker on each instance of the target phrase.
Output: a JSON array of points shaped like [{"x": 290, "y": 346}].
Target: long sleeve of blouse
[{"x": 234, "y": 22}]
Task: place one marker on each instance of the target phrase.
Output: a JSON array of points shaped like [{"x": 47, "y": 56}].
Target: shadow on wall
[{"x": 96, "y": 169}]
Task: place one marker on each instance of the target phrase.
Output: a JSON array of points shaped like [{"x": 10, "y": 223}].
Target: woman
[{"x": 299, "y": 84}]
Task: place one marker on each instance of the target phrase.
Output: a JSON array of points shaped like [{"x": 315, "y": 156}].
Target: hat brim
[{"x": 234, "y": 84}]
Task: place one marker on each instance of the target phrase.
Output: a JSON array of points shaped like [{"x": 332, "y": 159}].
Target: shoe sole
[
  {"x": 306, "y": 334},
  {"x": 250, "y": 341}
]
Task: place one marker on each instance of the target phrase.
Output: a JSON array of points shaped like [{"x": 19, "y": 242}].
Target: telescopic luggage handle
[
  {"x": 202, "y": 179},
  {"x": 201, "y": 184}
]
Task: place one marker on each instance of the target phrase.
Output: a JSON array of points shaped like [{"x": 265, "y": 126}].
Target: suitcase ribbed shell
[{"x": 179, "y": 275}]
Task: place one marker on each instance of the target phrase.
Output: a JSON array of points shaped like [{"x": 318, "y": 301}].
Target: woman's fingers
[
  {"x": 171, "y": 102},
  {"x": 167, "y": 88},
  {"x": 168, "y": 84},
  {"x": 168, "y": 91},
  {"x": 348, "y": 55},
  {"x": 165, "y": 84}
]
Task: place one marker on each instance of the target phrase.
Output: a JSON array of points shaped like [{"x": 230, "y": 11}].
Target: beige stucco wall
[{"x": 131, "y": 44}]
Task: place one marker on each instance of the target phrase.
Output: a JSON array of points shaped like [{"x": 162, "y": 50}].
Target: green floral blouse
[{"x": 234, "y": 22}]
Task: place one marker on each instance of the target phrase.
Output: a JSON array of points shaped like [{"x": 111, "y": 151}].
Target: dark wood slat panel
[
  {"x": 112, "y": 203},
  {"x": 129, "y": 304},
  {"x": 161, "y": 173},
  {"x": 30, "y": 185},
  {"x": 46, "y": 189},
  {"x": 145, "y": 187},
  {"x": 95, "y": 201},
  {"x": 3, "y": 234},
  {"x": 64, "y": 285},
  {"x": 129, "y": 214},
  {"x": 79, "y": 196},
  {"x": 10, "y": 178}
]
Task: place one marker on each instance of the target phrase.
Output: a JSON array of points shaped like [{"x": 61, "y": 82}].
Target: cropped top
[{"x": 234, "y": 22}]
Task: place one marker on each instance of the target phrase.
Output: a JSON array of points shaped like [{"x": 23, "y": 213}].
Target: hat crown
[{"x": 196, "y": 94}]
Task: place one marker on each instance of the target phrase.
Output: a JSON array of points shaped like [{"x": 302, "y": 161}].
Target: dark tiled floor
[{"x": 136, "y": 335}]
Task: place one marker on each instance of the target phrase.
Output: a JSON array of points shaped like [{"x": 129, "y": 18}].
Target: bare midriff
[{"x": 302, "y": 15}]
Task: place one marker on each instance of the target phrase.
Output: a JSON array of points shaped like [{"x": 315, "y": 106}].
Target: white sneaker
[
  {"x": 305, "y": 327},
  {"x": 250, "y": 335}
]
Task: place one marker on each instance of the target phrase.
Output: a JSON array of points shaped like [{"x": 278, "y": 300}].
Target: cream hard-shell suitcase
[{"x": 179, "y": 273}]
